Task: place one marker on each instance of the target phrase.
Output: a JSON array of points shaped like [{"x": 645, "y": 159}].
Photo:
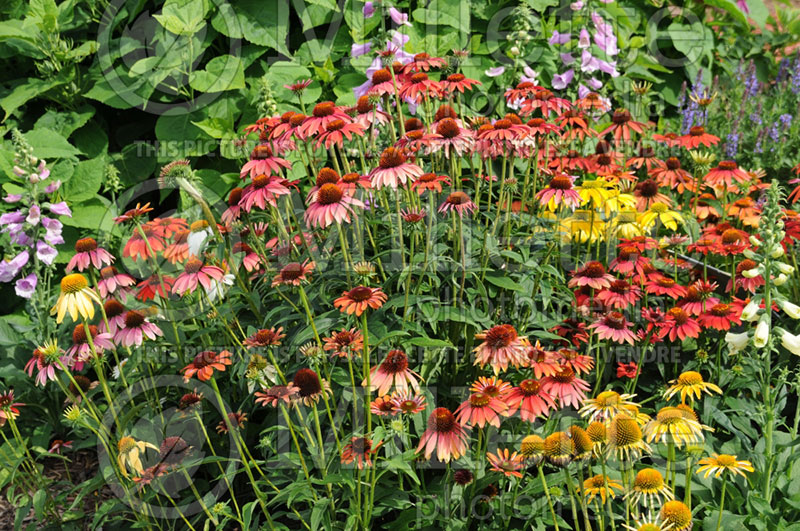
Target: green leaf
[
  {"x": 183, "y": 17},
  {"x": 48, "y": 144},
  {"x": 224, "y": 72},
  {"x": 25, "y": 92},
  {"x": 64, "y": 123},
  {"x": 504, "y": 282},
  {"x": 15, "y": 30},
  {"x": 259, "y": 22},
  {"x": 86, "y": 180},
  {"x": 38, "y": 503},
  {"x": 429, "y": 342},
  {"x": 318, "y": 512},
  {"x": 187, "y": 139},
  {"x": 732, "y": 9}
]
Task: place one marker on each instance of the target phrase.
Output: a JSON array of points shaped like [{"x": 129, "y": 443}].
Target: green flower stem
[
  {"x": 367, "y": 376},
  {"x": 98, "y": 367},
  {"x": 571, "y": 491},
  {"x": 307, "y": 307},
  {"x": 608, "y": 498},
  {"x": 549, "y": 499},
  {"x": 219, "y": 465},
  {"x": 721, "y": 501}
]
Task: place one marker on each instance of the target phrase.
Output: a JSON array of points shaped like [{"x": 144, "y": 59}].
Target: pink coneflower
[
  {"x": 46, "y": 360},
  {"x": 457, "y": 202},
  {"x": 358, "y": 299},
  {"x": 458, "y": 83},
  {"x": 263, "y": 192},
  {"x": 576, "y": 361},
  {"x": 264, "y": 162},
  {"x": 80, "y": 350},
  {"x": 720, "y": 317},
  {"x": 57, "y": 445},
  {"x": 698, "y": 297},
  {"x": 393, "y": 169},
  {"x": 697, "y": 137},
  {"x": 622, "y": 124},
  {"x": 196, "y": 272},
  {"x": 500, "y": 347},
  {"x": 546, "y": 102},
  {"x": 111, "y": 281},
  {"x": 360, "y": 450},
  {"x": 542, "y": 362},
  {"x": 324, "y": 176},
  {"x": 178, "y": 250},
  {"x": 345, "y": 343},
  {"x": 328, "y": 205},
  {"x": 367, "y": 114},
  {"x": 137, "y": 327},
  {"x": 481, "y": 409},
  {"x": 293, "y": 274},
  {"x": 8, "y": 408},
  {"x": 139, "y": 246},
  {"x": 392, "y": 372},
  {"x": 725, "y": 175},
  {"x": 407, "y": 402},
  {"x": 382, "y": 406},
  {"x": 115, "y": 315},
  {"x": 614, "y": 327},
  {"x": 276, "y": 394},
  {"x": 323, "y": 114},
  {"x": 559, "y": 191},
  {"x": 592, "y": 274},
  {"x": 620, "y": 294},
  {"x": 251, "y": 260},
  {"x": 566, "y": 387},
  {"x": 658, "y": 284},
  {"x": 678, "y": 325},
  {"x": 337, "y": 131},
  {"x": 509, "y": 464},
  {"x": 266, "y": 337},
  {"x": 450, "y": 135},
  {"x": 87, "y": 252},
  {"x": 445, "y": 435},
  {"x": 531, "y": 401},
  {"x": 492, "y": 386}
]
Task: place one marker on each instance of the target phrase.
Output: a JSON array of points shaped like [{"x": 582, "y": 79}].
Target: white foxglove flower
[
  {"x": 197, "y": 239},
  {"x": 751, "y": 310},
  {"x": 752, "y": 273},
  {"x": 755, "y": 242},
  {"x": 761, "y": 336},
  {"x": 780, "y": 280},
  {"x": 736, "y": 342},
  {"x": 792, "y": 310},
  {"x": 777, "y": 251},
  {"x": 784, "y": 268},
  {"x": 791, "y": 343}
]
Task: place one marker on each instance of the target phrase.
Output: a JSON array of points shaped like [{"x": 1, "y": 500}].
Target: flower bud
[
  {"x": 752, "y": 273},
  {"x": 784, "y": 268},
  {"x": 751, "y": 310},
  {"x": 780, "y": 280},
  {"x": 755, "y": 242},
  {"x": 777, "y": 251},
  {"x": 761, "y": 336}
]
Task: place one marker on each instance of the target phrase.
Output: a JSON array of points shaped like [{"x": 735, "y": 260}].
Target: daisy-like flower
[
  {"x": 80, "y": 349},
  {"x": 649, "y": 489},
  {"x": 336, "y": 131},
  {"x": 620, "y": 294},
  {"x": 392, "y": 372},
  {"x": 190, "y": 401},
  {"x": 501, "y": 346},
  {"x": 676, "y": 515},
  {"x": 699, "y": 297},
  {"x": 743, "y": 282},
  {"x": 674, "y": 425},
  {"x": 330, "y": 204},
  {"x": 530, "y": 399},
  {"x": 382, "y": 406},
  {"x": 444, "y": 435},
  {"x": 264, "y": 192},
  {"x": 88, "y": 253},
  {"x": 747, "y": 210},
  {"x": 646, "y": 193},
  {"x": 627, "y": 370},
  {"x": 276, "y": 394},
  {"x": 178, "y": 250},
  {"x": 458, "y": 83},
  {"x": 173, "y": 450},
  {"x": 393, "y": 170},
  {"x": 419, "y": 86},
  {"x": 546, "y": 102},
  {"x": 407, "y": 402},
  {"x": 492, "y": 386},
  {"x": 605, "y": 406},
  {"x": 592, "y": 274},
  {"x": 236, "y": 420},
  {"x": 168, "y": 227},
  {"x": 658, "y": 284},
  {"x": 46, "y": 359},
  {"x": 264, "y": 162},
  {"x": 195, "y": 273},
  {"x": 136, "y": 328},
  {"x": 234, "y": 211},
  {"x": 669, "y": 174},
  {"x": 358, "y": 299},
  {"x": 205, "y": 363},
  {"x": 691, "y": 384},
  {"x": 56, "y": 446},
  {"x": 129, "y": 451},
  {"x": 542, "y": 362},
  {"x": 566, "y": 387},
  {"x": 679, "y": 325},
  {"x": 509, "y": 463},
  {"x": 602, "y": 486},
  {"x": 625, "y": 437},
  {"x": 360, "y": 450},
  {"x": 719, "y": 463},
  {"x": 429, "y": 182},
  {"x": 559, "y": 191},
  {"x": 350, "y": 182},
  {"x": 697, "y": 137},
  {"x": 345, "y": 343},
  {"x": 267, "y": 337},
  {"x": 449, "y": 135},
  {"x": 458, "y": 202},
  {"x": 149, "y": 287},
  {"x": 367, "y": 113},
  {"x": 559, "y": 449},
  {"x": 725, "y": 176},
  {"x": 293, "y": 274},
  {"x": 481, "y": 409},
  {"x": 112, "y": 281},
  {"x": 76, "y": 298},
  {"x": 661, "y": 212},
  {"x": 720, "y": 317},
  {"x": 143, "y": 243},
  {"x": 622, "y": 124},
  {"x": 629, "y": 261},
  {"x": 134, "y": 213},
  {"x": 571, "y": 358},
  {"x": 614, "y": 327},
  {"x": 310, "y": 386},
  {"x": 733, "y": 242},
  {"x": 8, "y": 408}
]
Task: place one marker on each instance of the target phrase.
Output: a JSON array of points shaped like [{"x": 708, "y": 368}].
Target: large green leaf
[
  {"x": 86, "y": 180},
  {"x": 48, "y": 144},
  {"x": 25, "y": 92},
  {"x": 224, "y": 72},
  {"x": 262, "y": 23}
]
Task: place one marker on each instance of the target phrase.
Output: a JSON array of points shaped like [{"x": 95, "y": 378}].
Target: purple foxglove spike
[{"x": 25, "y": 287}]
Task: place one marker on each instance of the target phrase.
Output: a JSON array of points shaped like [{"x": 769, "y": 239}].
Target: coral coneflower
[
  {"x": 392, "y": 372},
  {"x": 76, "y": 298},
  {"x": 622, "y": 124},
  {"x": 383, "y": 406},
  {"x": 429, "y": 182},
  {"x": 393, "y": 169},
  {"x": 501, "y": 346},
  {"x": 358, "y": 299},
  {"x": 699, "y": 297},
  {"x": 8, "y": 408},
  {"x": 592, "y": 274},
  {"x": 178, "y": 250},
  {"x": 444, "y": 435},
  {"x": 458, "y": 202},
  {"x": 267, "y": 337},
  {"x": 264, "y": 162},
  {"x": 509, "y": 463},
  {"x": 580, "y": 363},
  {"x": 336, "y": 131},
  {"x": 235, "y": 419},
  {"x": 566, "y": 387},
  {"x": 205, "y": 363},
  {"x": 323, "y": 114},
  {"x": 149, "y": 287},
  {"x": 743, "y": 282},
  {"x": 134, "y": 213},
  {"x": 492, "y": 386},
  {"x": 481, "y": 409},
  {"x": 143, "y": 243},
  {"x": 542, "y": 362},
  {"x": 620, "y": 294},
  {"x": 669, "y": 174},
  {"x": 725, "y": 175},
  {"x": 458, "y": 83},
  {"x": 697, "y": 137},
  {"x": 530, "y": 399},
  {"x": 646, "y": 193},
  {"x": 263, "y": 192},
  {"x": 419, "y": 86},
  {"x": 559, "y": 191},
  {"x": 678, "y": 324},
  {"x": 360, "y": 451},
  {"x": 293, "y": 274},
  {"x": 407, "y": 402},
  {"x": 234, "y": 211},
  {"x": 344, "y": 343},
  {"x": 720, "y": 317},
  {"x": 659, "y": 284},
  {"x": 614, "y": 327},
  {"x": 276, "y": 395},
  {"x": 195, "y": 273},
  {"x": 88, "y": 253}
]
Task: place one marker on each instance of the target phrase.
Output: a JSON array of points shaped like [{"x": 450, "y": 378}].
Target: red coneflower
[
  {"x": 443, "y": 434},
  {"x": 725, "y": 175},
  {"x": 323, "y": 114},
  {"x": 413, "y": 216},
  {"x": 566, "y": 387},
  {"x": 358, "y": 299},
  {"x": 704, "y": 245},
  {"x": 310, "y": 387},
  {"x": 205, "y": 363},
  {"x": 669, "y": 174},
  {"x": 190, "y": 400},
  {"x": 481, "y": 409},
  {"x": 344, "y": 343},
  {"x": 359, "y": 449},
  {"x": 501, "y": 346},
  {"x": 560, "y": 191},
  {"x": 149, "y": 287},
  {"x": 143, "y": 244},
  {"x": 720, "y": 317},
  {"x": 195, "y": 273},
  {"x": 112, "y": 281},
  {"x": 620, "y": 294},
  {"x": 678, "y": 325},
  {"x": 531, "y": 401},
  {"x": 393, "y": 169},
  {"x": 732, "y": 242},
  {"x": 658, "y": 284},
  {"x": 614, "y": 327},
  {"x": 572, "y": 330},
  {"x": 458, "y": 83},
  {"x": 698, "y": 298},
  {"x": 88, "y": 253},
  {"x": 266, "y": 337},
  {"x": 293, "y": 274},
  {"x": 627, "y": 370},
  {"x": 697, "y": 137},
  {"x": 418, "y": 86},
  {"x": 276, "y": 394},
  {"x": 136, "y": 328},
  {"x": 622, "y": 124},
  {"x": 236, "y": 420},
  {"x": 264, "y": 162},
  {"x": 457, "y": 202},
  {"x": 592, "y": 274},
  {"x": 429, "y": 182},
  {"x": 546, "y": 102},
  {"x": 392, "y": 372}
]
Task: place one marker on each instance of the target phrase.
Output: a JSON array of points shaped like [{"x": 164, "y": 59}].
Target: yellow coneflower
[
  {"x": 559, "y": 449},
  {"x": 582, "y": 442},
  {"x": 677, "y": 515},
  {"x": 719, "y": 463},
  {"x": 532, "y": 449},
  {"x": 649, "y": 488},
  {"x": 599, "y": 436},
  {"x": 129, "y": 450},
  {"x": 661, "y": 212},
  {"x": 626, "y": 224},
  {"x": 673, "y": 425},
  {"x": 583, "y": 226},
  {"x": 595, "y": 192},
  {"x": 605, "y": 406},
  {"x": 76, "y": 297},
  {"x": 625, "y": 437},
  {"x": 648, "y": 523},
  {"x": 691, "y": 384},
  {"x": 602, "y": 486},
  {"x": 633, "y": 411},
  {"x": 618, "y": 201}
]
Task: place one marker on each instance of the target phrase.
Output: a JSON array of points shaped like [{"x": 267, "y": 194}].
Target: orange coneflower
[
  {"x": 276, "y": 394},
  {"x": 268, "y": 337},
  {"x": 508, "y": 463},
  {"x": 566, "y": 387},
  {"x": 429, "y": 182},
  {"x": 501, "y": 346},
  {"x": 443, "y": 434},
  {"x": 204, "y": 364},
  {"x": 360, "y": 450},
  {"x": 622, "y": 124},
  {"x": 392, "y": 372},
  {"x": 542, "y": 362},
  {"x": 531, "y": 401},
  {"x": 481, "y": 409},
  {"x": 670, "y": 175},
  {"x": 358, "y": 299},
  {"x": 697, "y": 137},
  {"x": 344, "y": 343},
  {"x": 293, "y": 274}
]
